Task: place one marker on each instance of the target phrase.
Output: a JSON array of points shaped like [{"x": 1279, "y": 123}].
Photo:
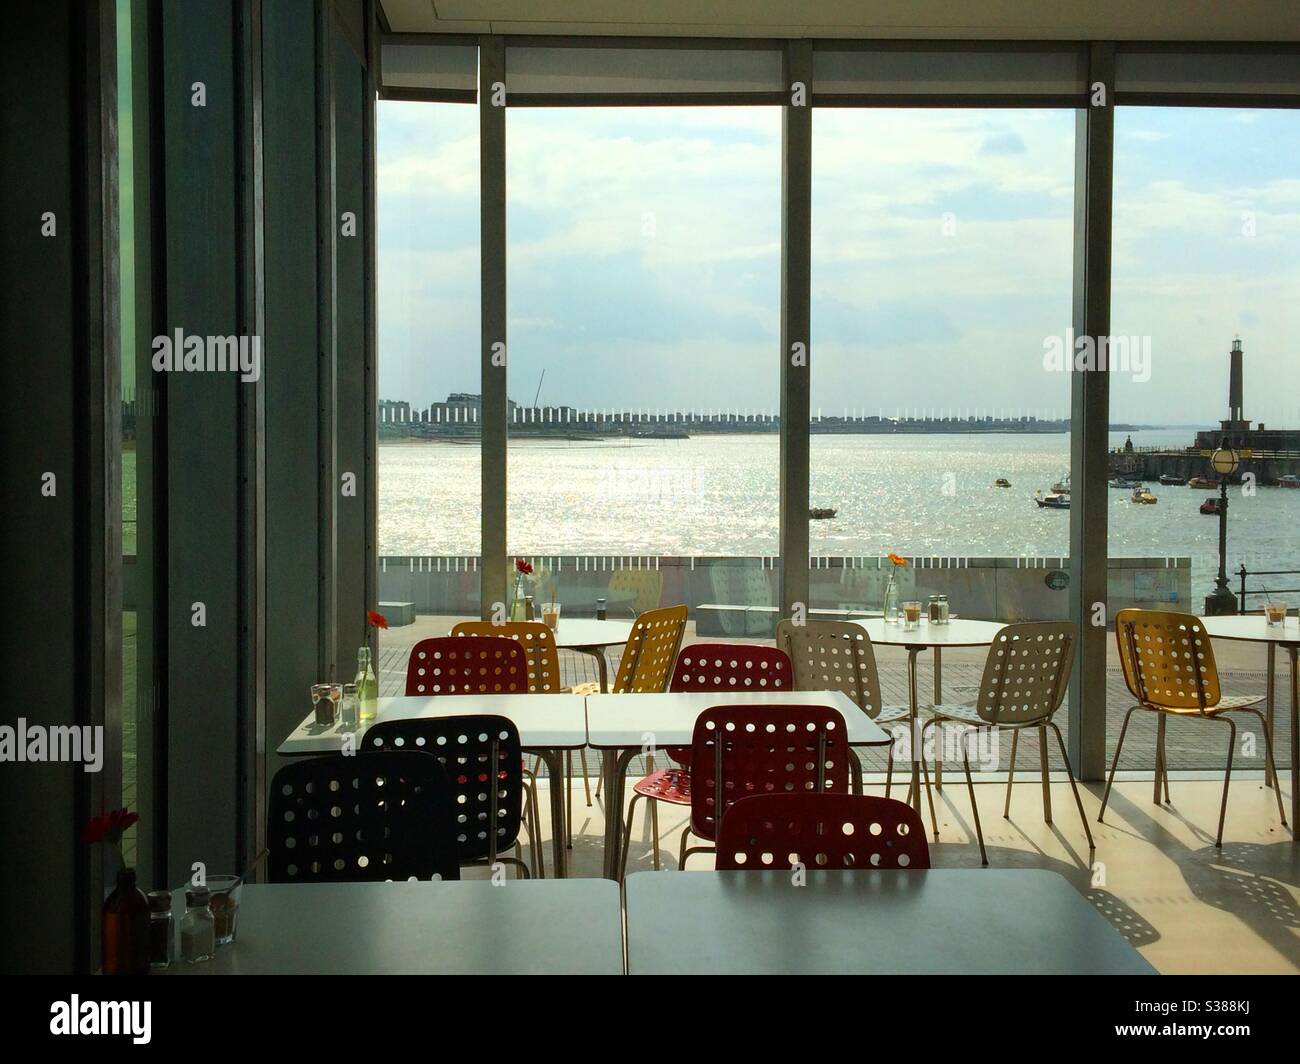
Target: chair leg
[
  {"x": 1160, "y": 758},
  {"x": 1114, "y": 764},
  {"x": 1047, "y": 782},
  {"x": 681, "y": 850},
  {"x": 568, "y": 799},
  {"x": 1073, "y": 786},
  {"x": 586, "y": 780},
  {"x": 889, "y": 768},
  {"x": 970, "y": 786},
  {"x": 1227, "y": 778},
  {"x": 1271, "y": 770},
  {"x": 535, "y": 834},
  {"x": 654, "y": 832},
  {"x": 1011, "y": 774},
  {"x": 627, "y": 837},
  {"x": 925, "y": 774}
]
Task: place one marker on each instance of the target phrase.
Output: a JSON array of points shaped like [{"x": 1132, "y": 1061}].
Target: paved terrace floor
[{"x": 1191, "y": 745}]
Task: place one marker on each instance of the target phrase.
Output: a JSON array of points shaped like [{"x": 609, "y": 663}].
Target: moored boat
[
  {"x": 1204, "y": 483},
  {"x": 1210, "y": 506},
  {"x": 1288, "y": 480},
  {"x": 1053, "y": 500},
  {"x": 1172, "y": 479},
  {"x": 1002, "y": 482},
  {"x": 821, "y": 513}
]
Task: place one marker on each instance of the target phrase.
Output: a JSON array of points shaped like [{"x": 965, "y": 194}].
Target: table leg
[
  {"x": 1270, "y": 692},
  {"x": 938, "y": 699},
  {"x": 914, "y": 792},
  {"x": 555, "y": 769},
  {"x": 855, "y": 771},
  {"x": 615, "y": 773},
  {"x": 602, "y": 665},
  {"x": 1293, "y": 652}
]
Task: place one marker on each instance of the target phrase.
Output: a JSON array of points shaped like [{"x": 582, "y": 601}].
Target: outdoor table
[
  {"x": 941, "y": 921},
  {"x": 548, "y": 725},
  {"x": 591, "y": 638},
  {"x": 621, "y": 726},
  {"x": 958, "y": 632},
  {"x": 516, "y": 927},
  {"x": 1254, "y": 629}
]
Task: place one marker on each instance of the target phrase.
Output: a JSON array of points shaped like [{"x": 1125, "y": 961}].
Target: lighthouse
[{"x": 1235, "y": 421}]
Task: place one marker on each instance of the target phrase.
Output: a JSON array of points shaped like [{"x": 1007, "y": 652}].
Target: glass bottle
[
  {"x": 350, "y": 708},
  {"x": 367, "y": 686},
  {"x": 600, "y": 609},
  {"x": 529, "y": 614},
  {"x": 125, "y": 928},
  {"x": 198, "y": 929},
  {"x": 162, "y": 937}
]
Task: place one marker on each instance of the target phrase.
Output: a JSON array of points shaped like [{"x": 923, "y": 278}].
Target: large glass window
[
  {"x": 644, "y": 293},
  {"x": 1206, "y": 258},
  {"x": 429, "y": 427},
  {"x": 941, "y": 279}
]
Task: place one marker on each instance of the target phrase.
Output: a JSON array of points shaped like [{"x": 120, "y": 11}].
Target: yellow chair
[
  {"x": 543, "y": 658},
  {"x": 1169, "y": 668},
  {"x": 645, "y": 585},
  {"x": 1026, "y": 674},
  {"x": 646, "y": 667}
]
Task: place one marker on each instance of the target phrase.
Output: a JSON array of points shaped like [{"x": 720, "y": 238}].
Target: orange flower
[{"x": 898, "y": 559}]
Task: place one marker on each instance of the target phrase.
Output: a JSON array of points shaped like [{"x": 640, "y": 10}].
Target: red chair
[
  {"x": 739, "y": 751},
  {"x": 708, "y": 667},
  {"x": 833, "y": 831},
  {"x": 478, "y": 665},
  {"x": 466, "y": 665}
]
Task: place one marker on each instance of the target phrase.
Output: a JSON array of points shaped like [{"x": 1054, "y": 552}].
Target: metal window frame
[{"x": 1094, "y": 147}]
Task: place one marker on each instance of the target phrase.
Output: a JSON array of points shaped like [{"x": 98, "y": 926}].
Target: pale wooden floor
[{"x": 1156, "y": 875}]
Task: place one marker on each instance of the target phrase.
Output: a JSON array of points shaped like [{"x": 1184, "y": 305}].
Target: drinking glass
[
  {"x": 224, "y": 894},
  {"x": 1276, "y": 614},
  {"x": 911, "y": 616},
  {"x": 551, "y": 615}
]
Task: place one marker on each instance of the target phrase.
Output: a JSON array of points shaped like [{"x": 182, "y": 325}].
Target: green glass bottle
[{"x": 367, "y": 686}]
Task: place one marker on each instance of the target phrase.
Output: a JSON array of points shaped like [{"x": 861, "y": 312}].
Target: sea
[{"x": 915, "y": 494}]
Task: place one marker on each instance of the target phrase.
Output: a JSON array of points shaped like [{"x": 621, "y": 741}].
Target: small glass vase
[
  {"x": 890, "y": 608},
  {"x": 124, "y": 928}
]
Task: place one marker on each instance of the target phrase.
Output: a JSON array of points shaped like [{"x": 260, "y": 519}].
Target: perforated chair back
[
  {"x": 368, "y": 816},
  {"x": 468, "y": 747},
  {"x": 537, "y": 641},
  {"x": 466, "y": 665},
  {"x": 731, "y": 667},
  {"x": 646, "y": 585},
  {"x": 1026, "y": 672},
  {"x": 739, "y": 751},
  {"x": 832, "y": 831},
  {"x": 1168, "y": 659},
  {"x": 650, "y": 651},
  {"x": 833, "y": 656}
]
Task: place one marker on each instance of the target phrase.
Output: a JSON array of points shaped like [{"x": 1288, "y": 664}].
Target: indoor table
[
  {"x": 470, "y": 927},
  {"x": 983, "y": 921},
  {"x": 549, "y": 726},
  {"x": 621, "y": 726},
  {"x": 1251, "y": 628},
  {"x": 958, "y": 632}
]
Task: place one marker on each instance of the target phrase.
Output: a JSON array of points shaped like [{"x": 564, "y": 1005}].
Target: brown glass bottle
[{"x": 125, "y": 928}]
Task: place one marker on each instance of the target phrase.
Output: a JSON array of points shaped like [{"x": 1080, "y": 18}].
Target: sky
[{"x": 644, "y": 270}]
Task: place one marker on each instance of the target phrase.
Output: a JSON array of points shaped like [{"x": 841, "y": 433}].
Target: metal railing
[{"x": 1242, "y": 574}]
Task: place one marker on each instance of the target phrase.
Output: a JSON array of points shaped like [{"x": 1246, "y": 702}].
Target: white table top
[
  {"x": 518, "y": 927},
  {"x": 619, "y": 722},
  {"x": 544, "y": 721},
  {"x": 958, "y": 633},
  {"x": 971, "y": 921},
  {"x": 1252, "y": 629},
  {"x": 575, "y": 632}
]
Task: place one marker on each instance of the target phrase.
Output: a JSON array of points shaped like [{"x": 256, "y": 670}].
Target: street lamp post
[{"x": 1221, "y": 601}]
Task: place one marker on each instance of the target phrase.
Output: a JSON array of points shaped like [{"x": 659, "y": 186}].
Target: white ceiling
[{"x": 1181, "y": 20}]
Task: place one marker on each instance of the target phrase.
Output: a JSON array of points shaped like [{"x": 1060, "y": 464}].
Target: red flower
[
  {"x": 524, "y": 567},
  {"x": 377, "y": 619},
  {"x": 108, "y": 827}
]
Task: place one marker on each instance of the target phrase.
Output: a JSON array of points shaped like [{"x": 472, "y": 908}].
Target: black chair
[
  {"x": 472, "y": 750},
  {"x": 368, "y": 816}
]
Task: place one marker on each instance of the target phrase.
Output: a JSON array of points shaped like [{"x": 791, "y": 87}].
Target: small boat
[
  {"x": 1210, "y": 506},
  {"x": 821, "y": 513},
  {"x": 1172, "y": 479},
  {"x": 1144, "y": 496},
  {"x": 1062, "y": 486},
  {"x": 1002, "y": 482},
  {"x": 1288, "y": 480},
  {"x": 1053, "y": 500},
  {"x": 1204, "y": 483},
  {"x": 1125, "y": 482}
]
